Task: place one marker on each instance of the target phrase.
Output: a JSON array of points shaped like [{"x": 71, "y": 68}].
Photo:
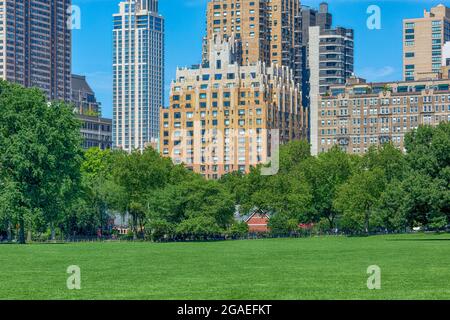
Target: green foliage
[
  {"x": 283, "y": 224},
  {"x": 191, "y": 199},
  {"x": 136, "y": 175},
  {"x": 326, "y": 174},
  {"x": 40, "y": 156},
  {"x": 357, "y": 198},
  {"x": 48, "y": 186},
  {"x": 238, "y": 230},
  {"x": 159, "y": 229},
  {"x": 293, "y": 154},
  {"x": 288, "y": 192},
  {"x": 199, "y": 228}
]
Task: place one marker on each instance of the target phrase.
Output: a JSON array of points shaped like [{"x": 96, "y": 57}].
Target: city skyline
[{"x": 368, "y": 64}]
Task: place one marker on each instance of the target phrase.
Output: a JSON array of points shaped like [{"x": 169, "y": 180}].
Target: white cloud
[{"x": 376, "y": 74}]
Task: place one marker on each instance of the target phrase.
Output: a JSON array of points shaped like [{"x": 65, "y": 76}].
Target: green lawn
[{"x": 413, "y": 267}]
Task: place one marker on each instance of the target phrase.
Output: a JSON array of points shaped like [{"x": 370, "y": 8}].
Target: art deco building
[
  {"x": 225, "y": 117},
  {"x": 423, "y": 41},
  {"x": 138, "y": 73},
  {"x": 267, "y": 31},
  {"x": 358, "y": 115},
  {"x": 35, "y": 45}
]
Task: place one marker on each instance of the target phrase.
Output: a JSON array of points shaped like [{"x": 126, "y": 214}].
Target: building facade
[
  {"x": 266, "y": 31},
  {"x": 359, "y": 115},
  {"x": 96, "y": 132},
  {"x": 226, "y": 117},
  {"x": 311, "y": 18},
  {"x": 331, "y": 58},
  {"x": 423, "y": 41},
  {"x": 35, "y": 45},
  {"x": 331, "y": 62},
  {"x": 138, "y": 74},
  {"x": 83, "y": 97}
]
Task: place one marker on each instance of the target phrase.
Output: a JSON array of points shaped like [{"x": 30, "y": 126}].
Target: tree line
[{"x": 50, "y": 187}]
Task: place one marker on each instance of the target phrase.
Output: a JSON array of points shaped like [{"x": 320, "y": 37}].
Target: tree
[
  {"x": 293, "y": 154},
  {"x": 387, "y": 158},
  {"x": 390, "y": 211},
  {"x": 428, "y": 150},
  {"x": 137, "y": 175},
  {"x": 238, "y": 230},
  {"x": 191, "y": 199},
  {"x": 160, "y": 229},
  {"x": 326, "y": 174},
  {"x": 200, "y": 227},
  {"x": 283, "y": 224},
  {"x": 357, "y": 198},
  {"x": 287, "y": 192},
  {"x": 425, "y": 200},
  {"x": 96, "y": 182},
  {"x": 40, "y": 154}
]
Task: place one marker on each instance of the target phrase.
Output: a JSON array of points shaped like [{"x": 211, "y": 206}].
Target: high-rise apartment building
[
  {"x": 423, "y": 39},
  {"x": 359, "y": 115},
  {"x": 331, "y": 57},
  {"x": 35, "y": 45},
  {"x": 331, "y": 62},
  {"x": 266, "y": 31},
  {"x": 138, "y": 73},
  {"x": 311, "y": 18},
  {"x": 314, "y": 18},
  {"x": 226, "y": 117}
]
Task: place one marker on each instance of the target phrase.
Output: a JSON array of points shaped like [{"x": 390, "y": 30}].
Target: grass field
[{"x": 412, "y": 266}]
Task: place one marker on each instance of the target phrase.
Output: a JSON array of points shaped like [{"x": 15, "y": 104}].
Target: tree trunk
[
  {"x": 29, "y": 236},
  {"x": 331, "y": 221},
  {"x": 21, "y": 232}
]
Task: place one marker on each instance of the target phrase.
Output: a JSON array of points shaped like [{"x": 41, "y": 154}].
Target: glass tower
[{"x": 138, "y": 74}]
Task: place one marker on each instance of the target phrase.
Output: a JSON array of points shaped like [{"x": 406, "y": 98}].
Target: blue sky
[{"x": 378, "y": 53}]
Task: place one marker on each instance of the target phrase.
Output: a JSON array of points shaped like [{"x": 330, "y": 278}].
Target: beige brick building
[
  {"x": 358, "y": 115},
  {"x": 225, "y": 117},
  {"x": 423, "y": 41},
  {"x": 267, "y": 31}
]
